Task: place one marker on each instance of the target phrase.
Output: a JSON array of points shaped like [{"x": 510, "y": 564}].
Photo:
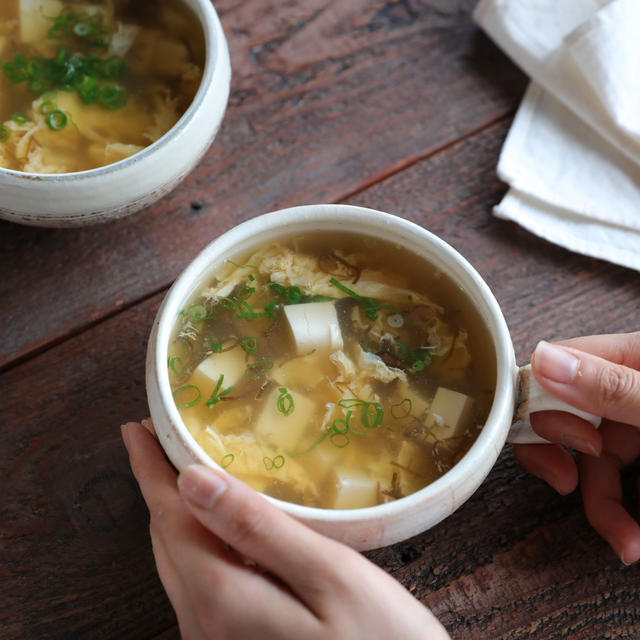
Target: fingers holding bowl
[
  {"x": 608, "y": 388},
  {"x": 549, "y": 462},
  {"x": 602, "y": 493}
]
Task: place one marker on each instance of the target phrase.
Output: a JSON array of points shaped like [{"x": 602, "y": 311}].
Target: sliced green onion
[
  {"x": 341, "y": 425},
  {"x": 227, "y": 460},
  {"x": 19, "y": 117},
  {"x": 401, "y": 347},
  {"x": 356, "y": 296},
  {"x": 371, "y": 414},
  {"x": 196, "y": 312},
  {"x": 250, "y": 343},
  {"x": 88, "y": 89},
  {"x": 112, "y": 96},
  {"x": 47, "y": 107},
  {"x": 56, "y": 120},
  {"x": 36, "y": 86},
  {"x": 270, "y": 306},
  {"x": 339, "y": 440},
  {"x": 187, "y": 403},
  {"x": 371, "y": 306},
  {"x": 113, "y": 67},
  {"x": 401, "y": 409},
  {"x": 277, "y": 287},
  {"x": 228, "y": 303},
  {"x": 285, "y": 402},
  {"x": 245, "y": 291},
  {"x": 248, "y": 312},
  {"x": 175, "y": 364},
  {"x": 317, "y": 298},
  {"x": 5, "y": 133},
  {"x": 61, "y": 26},
  {"x": 273, "y": 463},
  {"x": 293, "y": 294},
  {"x": 218, "y": 392}
]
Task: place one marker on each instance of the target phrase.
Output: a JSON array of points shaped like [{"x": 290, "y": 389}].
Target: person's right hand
[
  {"x": 599, "y": 374},
  {"x": 236, "y": 566}
]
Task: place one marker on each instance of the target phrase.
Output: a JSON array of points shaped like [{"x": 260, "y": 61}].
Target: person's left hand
[
  {"x": 599, "y": 374},
  {"x": 236, "y": 566}
]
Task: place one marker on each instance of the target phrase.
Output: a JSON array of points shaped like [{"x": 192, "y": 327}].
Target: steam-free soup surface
[
  {"x": 87, "y": 83},
  {"x": 332, "y": 371}
]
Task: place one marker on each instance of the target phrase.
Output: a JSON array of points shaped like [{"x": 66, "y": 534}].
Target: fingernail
[
  {"x": 580, "y": 444},
  {"x": 201, "y": 485},
  {"x": 124, "y": 432},
  {"x": 148, "y": 425},
  {"x": 629, "y": 562},
  {"x": 555, "y": 363},
  {"x": 631, "y": 553}
]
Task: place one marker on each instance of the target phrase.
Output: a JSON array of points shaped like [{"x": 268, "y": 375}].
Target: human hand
[
  {"x": 599, "y": 374},
  {"x": 235, "y": 566}
]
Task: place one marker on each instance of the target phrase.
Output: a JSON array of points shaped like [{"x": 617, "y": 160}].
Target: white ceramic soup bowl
[
  {"x": 384, "y": 524},
  {"x": 119, "y": 189}
]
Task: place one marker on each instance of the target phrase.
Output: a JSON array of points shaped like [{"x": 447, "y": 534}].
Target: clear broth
[{"x": 292, "y": 418}]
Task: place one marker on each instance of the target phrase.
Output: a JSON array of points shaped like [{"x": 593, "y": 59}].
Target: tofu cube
[
  {"x": 300, "y": 372},
  {"x": 414, "y": 469},
  {"x": 231, "y": 364},
  {"x": 354, "y": 490},
  {"x": 410, "y": 457},
  {"x": 284, "y": 431},
  {"x": 451, "y": 413},
  {"x": 314, "y": 326}
]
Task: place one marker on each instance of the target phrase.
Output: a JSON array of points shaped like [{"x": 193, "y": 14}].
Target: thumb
[
  {"x": 260, "y": 531},
  {"x": 588, "y": 382}
]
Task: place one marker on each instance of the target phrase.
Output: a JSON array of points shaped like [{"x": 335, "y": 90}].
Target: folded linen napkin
[{"x": 572, "y": 156}]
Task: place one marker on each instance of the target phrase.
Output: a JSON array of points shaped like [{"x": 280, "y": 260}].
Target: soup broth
[
  {"x": 337, "y": 372},
  {"x": 89, "y": 82}
]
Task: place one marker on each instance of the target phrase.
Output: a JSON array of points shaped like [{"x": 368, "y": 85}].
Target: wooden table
[{"x": 401, "y": 106}]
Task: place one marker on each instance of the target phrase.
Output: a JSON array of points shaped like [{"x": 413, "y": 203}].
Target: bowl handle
[{"x": 533, "y": 397}]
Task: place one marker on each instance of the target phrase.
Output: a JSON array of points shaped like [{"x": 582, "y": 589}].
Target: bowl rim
[
  {"x": 472, "y": 468},
  {"x": 214, "y": 42}
]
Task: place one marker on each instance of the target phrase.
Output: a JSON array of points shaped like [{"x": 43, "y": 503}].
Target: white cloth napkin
[{"x": 572, "y": 156}]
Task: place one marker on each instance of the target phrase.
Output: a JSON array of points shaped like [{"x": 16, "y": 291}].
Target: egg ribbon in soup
[
  {"x": 84, "y": 84},
  {"x": 319, "y": 377}
]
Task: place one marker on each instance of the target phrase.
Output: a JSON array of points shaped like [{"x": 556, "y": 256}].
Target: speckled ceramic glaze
[{"x": 121, "y": 188}]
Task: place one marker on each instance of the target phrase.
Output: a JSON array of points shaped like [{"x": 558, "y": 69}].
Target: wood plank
[
  {"x": 327, "y": 97},
  {"x": 75, "y": 555},
  {"x": 515, "y": 561}
]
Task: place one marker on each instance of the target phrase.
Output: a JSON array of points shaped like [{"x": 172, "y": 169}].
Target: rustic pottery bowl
[
  {"x": 119, "y": 189},
  {"x": 376, "y": 526}
]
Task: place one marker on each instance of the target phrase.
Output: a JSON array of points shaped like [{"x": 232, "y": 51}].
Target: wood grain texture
[
  {"x": 516, "y": 561},
  {"x": 401, "y": 106},
  {"x": 75, "y": 555},
  {"x": 327, "y": 97}
]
